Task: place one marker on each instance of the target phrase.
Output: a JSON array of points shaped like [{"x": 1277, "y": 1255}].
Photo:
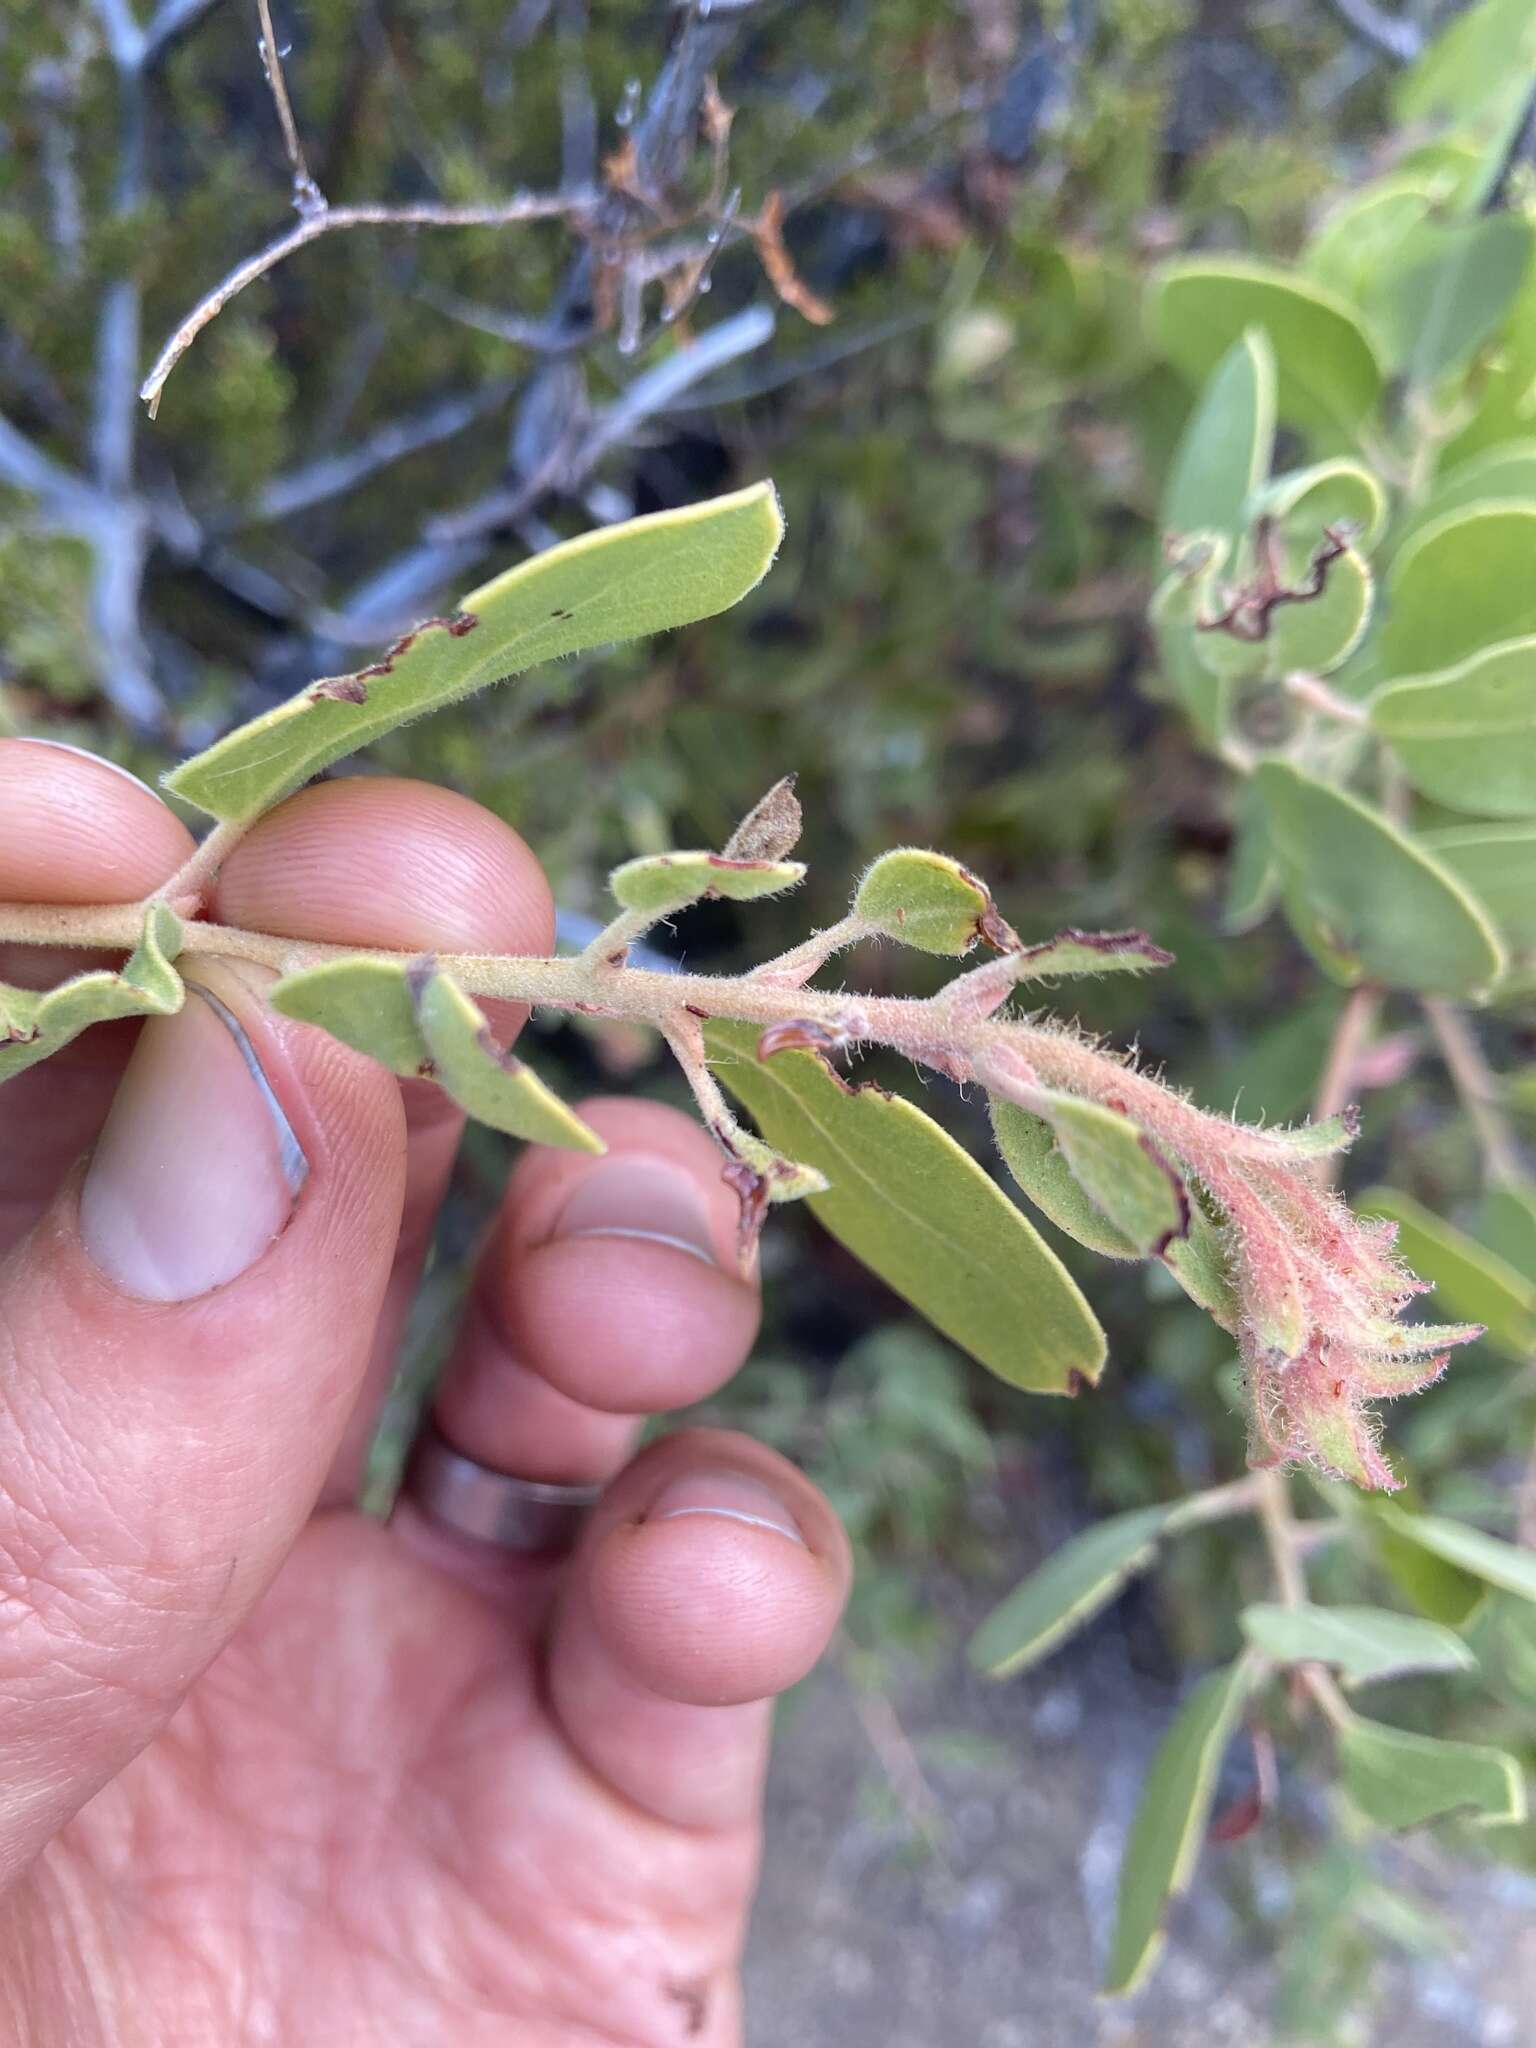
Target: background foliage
[{"x": 1043, "y": 236}]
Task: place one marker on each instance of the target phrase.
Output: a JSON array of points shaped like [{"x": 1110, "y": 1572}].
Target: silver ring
[{"x": 493, "y": 1507}]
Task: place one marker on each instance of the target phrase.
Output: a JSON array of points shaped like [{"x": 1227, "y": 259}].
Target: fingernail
[
  {"x": 197, "y": 1168},
  {"x": 626, "y": 1195},
  {"x": 731, "y": 1495},
  {"x": 33, "y": 739}
]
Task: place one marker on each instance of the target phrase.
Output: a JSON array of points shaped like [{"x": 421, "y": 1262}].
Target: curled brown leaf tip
[
  {"x": 996, "y": 931},
  {"x": 1250, "y": 606},
  {"x": 771, "y": 828},
  {"x": 1130, "y": 941},
  {"x": 796, "y": 1034}
]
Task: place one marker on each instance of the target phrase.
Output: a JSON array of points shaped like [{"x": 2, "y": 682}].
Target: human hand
[{"x": 270, "y": 1771}]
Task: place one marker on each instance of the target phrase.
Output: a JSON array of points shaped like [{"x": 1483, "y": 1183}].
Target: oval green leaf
[
  {"x": 658, "y": 884},
  {"x": 916, "y": 1209},
  {"x": 1400, "y": 1780},
  {"x": 1506, "y": 1565},
  {"x": 492, "y": 1085},
  {"x": 923, "y": 899},
  {"x": 1496, "y": 864},
  {"x": 1448, "y": 287},
  {"x": 1074, "y": 1584},
  {"x": 35, "y": 1024},
  {"x": 1461, "y": 584},
  {"x": 1467, "y": 735},
  {"x": 365, "y": 1003},
  {"x": 1366, "y": 900},
  {"x": 1171, "y": 1820},
  {"x": 618, "y": 583},
  {"x": 1228, "y": 444},
  {"x": 1329, "y": 376},
  {"x": 1123, "y": 1174},
  {"x": 1364, "y": 1643},
  {"x": 1336, "y": 493}
]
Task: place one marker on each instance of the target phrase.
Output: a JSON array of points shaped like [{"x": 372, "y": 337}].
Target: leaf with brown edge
[
  {"x": 771, "y": 829},
  {"x": 620, "y": 582},
  {"x": 658, "y": 884},
  {"x": 928, "y": 901},
  {"x": 494, "y": 1086},
  {"x": 914, "y": 1207},
  {"x": 36, "y": 1024}
]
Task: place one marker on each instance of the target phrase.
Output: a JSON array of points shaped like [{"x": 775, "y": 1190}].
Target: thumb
[{"x": 181, "y": 1340}]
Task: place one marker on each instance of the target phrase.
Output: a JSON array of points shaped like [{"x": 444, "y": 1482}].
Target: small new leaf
[
  {"x": 494, "y": 1086},
  {"x": 1122, "y": 1172},
  {"x": 367, "y": 1004},
  {"x": 658, "y": 884},
  {"x": 35, "y": 1025},
  {"x": 928, "y": 901}
]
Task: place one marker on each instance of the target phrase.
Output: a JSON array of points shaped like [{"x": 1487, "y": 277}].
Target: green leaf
[
  {"x": 916, "y": 1209},
  {"x": 1122, "y": 1173},
  {"x": 1075, "y": 1583},
  {"x": 1329, "y": 376},
  {"x": 1305, "y": 502},
  {"x": 367, "y": 1004},
  {"x": 925, "y": 900},
  {"x": 1400, "y": 1780},
  {"x": 1185, "y": 595},
  {"x": 1171, "y": 1821},
  {"x": 1501, "y": 475},
  {"x": 1364, "y": 1643},
  {"x": 1461, "y": 584},
  {"x": 1467, "y": 735},
  {"x": 1450, "y": 285},
  {"x": 1198, "y": 1261},
  {"x": 660, "y": 883},
  {"x": 1470, "y": 1281},
  {"x": 1506, "y": 1224},
  {"x": 1496, "y": 864},
  {"x": 1501, "y": 402},
  {"x": 618, "y": 583},
  {"x": 1437, "y": 1588},
  {"x": 1319, "y": 633},
  {"x": 36, "y": 1024},
  {"x": 1253, "y": 878},
  {"x": 1366, "y": 900},
  {"x": 1029, "y": 1148},
  {"x": 1489, "y": 1558},
  {"x": 1074, "y": 952},
  {"x": 494, "y": 1086},
  {"x": 1484, "y": 57},
  {"x": 1227, "y": 446},
  {"x": 1358, "y": 240}
]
